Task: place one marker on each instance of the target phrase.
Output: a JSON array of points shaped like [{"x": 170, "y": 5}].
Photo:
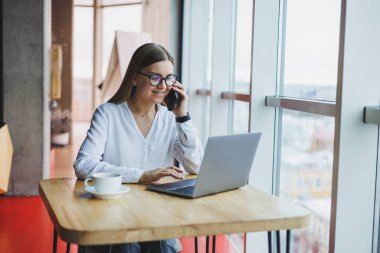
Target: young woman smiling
[{"x": 135, "y": 135}]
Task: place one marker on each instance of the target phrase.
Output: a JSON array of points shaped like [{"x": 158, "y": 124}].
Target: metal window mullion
[
  {"x": 195, "y": 34},
  {"x": 205, "y": 85},
  {"x": 277, "y": 144},
  {"x": 250, "y": 72},
  {"x": 232, "y": 67},
  {"x": 279, "y": 90},
  {"x": 281, "y": 47},
  {"x": 376, "y": 227},
  {"x": 222, "y": 59},
  {"x": 263, "y": 81},
  {"x": 97, "y": 53}
]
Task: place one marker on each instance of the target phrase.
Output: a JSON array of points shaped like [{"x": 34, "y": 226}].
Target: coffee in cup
[{"x": 105, "y": 182}]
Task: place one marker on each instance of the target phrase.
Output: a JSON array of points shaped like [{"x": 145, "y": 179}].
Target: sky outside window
[{"x": 311, "y": 48}]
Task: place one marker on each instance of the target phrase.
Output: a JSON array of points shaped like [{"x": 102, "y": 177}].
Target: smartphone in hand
[{"x": 172, "y": 99}]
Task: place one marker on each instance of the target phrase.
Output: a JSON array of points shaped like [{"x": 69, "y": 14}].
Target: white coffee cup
[{"x": 105, "y": 182}]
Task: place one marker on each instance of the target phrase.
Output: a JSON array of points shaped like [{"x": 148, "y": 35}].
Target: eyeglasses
[{"x": 156, "y": 79}]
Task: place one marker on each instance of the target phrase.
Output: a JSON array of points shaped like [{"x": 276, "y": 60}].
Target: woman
[{"x": 134, "y": 135}]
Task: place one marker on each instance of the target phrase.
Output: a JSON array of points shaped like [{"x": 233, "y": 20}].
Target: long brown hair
[{"x": 144, "y": 56}]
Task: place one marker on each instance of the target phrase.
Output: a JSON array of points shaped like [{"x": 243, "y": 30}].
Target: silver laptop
[{"x": 226, "y": 164}]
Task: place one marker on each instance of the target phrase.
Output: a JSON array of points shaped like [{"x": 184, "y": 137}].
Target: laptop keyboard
[{"x": 185, "y": 190}]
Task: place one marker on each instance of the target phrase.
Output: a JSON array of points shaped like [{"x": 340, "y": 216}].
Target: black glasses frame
[{"x": 162, "y": 78}]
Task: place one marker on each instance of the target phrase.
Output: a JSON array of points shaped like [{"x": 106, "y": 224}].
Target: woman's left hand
[
  {"x": 155, "y": 175},
  {"x": 180, "y": 109}
]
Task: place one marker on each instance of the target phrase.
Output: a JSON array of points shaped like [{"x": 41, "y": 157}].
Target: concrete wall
[
  {"x": 26, "y": 33},
  {"x": 1, "y": 63}
]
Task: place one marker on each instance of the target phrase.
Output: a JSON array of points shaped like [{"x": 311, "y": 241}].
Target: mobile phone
[{"x": 172, "y": 99}]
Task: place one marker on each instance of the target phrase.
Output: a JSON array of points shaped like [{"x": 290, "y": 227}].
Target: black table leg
[
  {"x": 207, "y": 243},
  {"x": 269, "y": 241},
  {"x": 287, "y": 241},
  {"x": 55, "y": 238},
  {"x": 81, "y": 249},
  {"x": 278, "y": 241},
  {"x": 55, "y": 241},
  {"x": 196, "y": 244},
  {"x": 68, "y": 248},
  {"x": 213, "y": 243}
]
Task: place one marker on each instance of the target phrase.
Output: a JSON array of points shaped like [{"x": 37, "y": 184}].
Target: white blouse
[{"x": 114, "y": 143}]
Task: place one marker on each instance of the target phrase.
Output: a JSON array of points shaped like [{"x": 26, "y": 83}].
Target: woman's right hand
[{"x": 155, "y": 175}]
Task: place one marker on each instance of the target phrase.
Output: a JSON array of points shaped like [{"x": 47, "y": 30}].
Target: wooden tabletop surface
[{"x": 142, "y": 215}]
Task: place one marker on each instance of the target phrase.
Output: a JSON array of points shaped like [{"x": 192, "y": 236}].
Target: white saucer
[{"x": 91, "y": 189}]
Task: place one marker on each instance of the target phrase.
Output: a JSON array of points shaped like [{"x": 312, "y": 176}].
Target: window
[
  {"x": 312, "y": 73},
  {"x": 307, "y": 158},
  {"x": 240, "y": 121},
  {"x": 91, "y": 57},
  {"x": 311, "y": 48},
  {"x": 243, "y": 43},
  {"x": 310, "y": 44},
  {"x": 212, "y": 41},
  {"x": 83, "y": 22},
  {"x": 126, "y": 18},
  {"x": 242, "y": 66},
  {"x": 206, "y": 100},
  {"x": 83, "y": 41}
]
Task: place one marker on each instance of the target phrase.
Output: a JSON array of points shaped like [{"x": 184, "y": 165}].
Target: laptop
[{"x": 226, "y": 164}]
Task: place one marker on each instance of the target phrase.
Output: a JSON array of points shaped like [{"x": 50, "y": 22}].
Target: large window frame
[
  {"x": 354, "y": 192},
  {"x": 98, "y": 6},
  {"x": 343, "y": 211}
]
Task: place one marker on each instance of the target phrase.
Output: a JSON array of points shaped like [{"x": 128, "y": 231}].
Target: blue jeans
[{"x": 163, "y": 246}]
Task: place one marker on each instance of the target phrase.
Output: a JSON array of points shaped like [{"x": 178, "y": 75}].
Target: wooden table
[{"x": 142, "y": 215}]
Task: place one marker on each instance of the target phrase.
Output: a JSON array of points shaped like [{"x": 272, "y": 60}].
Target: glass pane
[
  {"x": 209, "y": 43},
  {"x": 311, "y": 48},
  {"x": 83, "y": 42},
  {"x": 121, "y": 18},
  {"x": 240, "y": 119},
  {"x": 207, "y": 85},
  {"x": 242, "y": 70},
  {"x": 206, "y": 104},
  {"x": 82, "y": 62},
  {"x": 306, "y": 174}
]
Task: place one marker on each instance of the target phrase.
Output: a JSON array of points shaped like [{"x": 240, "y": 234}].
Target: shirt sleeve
[
  {"x": 187, "y": 148},
  {"x": 90, "y": 155}
]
